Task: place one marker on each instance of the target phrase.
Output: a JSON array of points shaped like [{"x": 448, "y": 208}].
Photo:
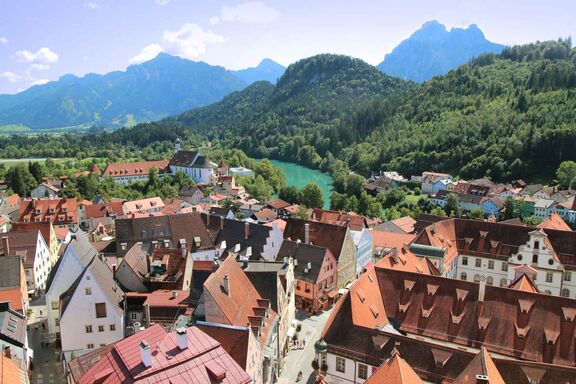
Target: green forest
[{"x": 504, "y": 116}]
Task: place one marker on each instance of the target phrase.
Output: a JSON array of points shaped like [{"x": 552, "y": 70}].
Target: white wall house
[
  {"x": 192, "y": 164},
  {"x": 78, "y": 253},
  {"x": 90, "y": 311},
  {"x": 273, "y": 243},
  {"x": 363, "y": 242}
]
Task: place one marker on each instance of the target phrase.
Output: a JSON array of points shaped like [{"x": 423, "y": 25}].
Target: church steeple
[{"x": 177, "y": 145}]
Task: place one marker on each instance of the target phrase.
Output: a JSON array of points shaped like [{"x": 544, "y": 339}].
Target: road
[{"x": 301, "y": 359}]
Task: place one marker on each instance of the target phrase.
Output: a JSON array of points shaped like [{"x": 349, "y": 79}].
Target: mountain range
[
  {"x": 432, "y": 50},
  {"x": 169, "y": 85},
  {"x": 163, "y": 86}
]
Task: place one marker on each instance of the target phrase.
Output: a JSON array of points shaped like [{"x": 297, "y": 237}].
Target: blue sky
[{"x": 40, "y": 40}]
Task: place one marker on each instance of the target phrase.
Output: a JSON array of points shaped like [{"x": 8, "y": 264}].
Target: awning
[{"x": 291, "y": 332}]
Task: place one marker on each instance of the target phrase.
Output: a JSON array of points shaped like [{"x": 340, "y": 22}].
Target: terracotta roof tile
[
  {"x": 277, "y": 204},
  {"x": 481, "y": 365},
  {"x": 554, "y": 221},
  {"x": 394, "y": 371},
  {"x": 11, "y": 373},
  {"x": 59, "y": 211},
  {"x": 135, "y": 168}
]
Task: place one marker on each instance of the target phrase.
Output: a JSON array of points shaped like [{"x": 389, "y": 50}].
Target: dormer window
[
  {"x": 64, "y": 209},
  {"x": 37, "y": 211}
]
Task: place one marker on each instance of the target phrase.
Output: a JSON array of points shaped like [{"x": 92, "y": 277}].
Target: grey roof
[
  {"x": 202, "y": 162},
  {"x": 188, "y": 190},
  {"x": 12, "y": 325},
  {"x": 219, "y": 211},
  {"x": 305, "y": 254},
  {"x": 264, "y": 277},
  {"x": 82, "y": 247},
  {"x": 10, "y": 272},
  {"x": 136, "y": 260},
  {"x": 104, "y": 277},
  {"x": 183, "y": 158},
  {"x": 234, "y": 232}
]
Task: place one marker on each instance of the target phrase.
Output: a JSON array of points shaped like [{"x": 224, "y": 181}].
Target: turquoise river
[{"x": 299, "y": 176}]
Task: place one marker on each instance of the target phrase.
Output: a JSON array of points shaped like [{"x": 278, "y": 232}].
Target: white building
[
  {"x": 192, "y": 164},
  {"x": 78, "y": 253},
  {"x": 91, "y": 315},
  {"x": 241, "y": 171},
  {"x": 14, "y": 338},
  {"x": 128, "y": 173}
]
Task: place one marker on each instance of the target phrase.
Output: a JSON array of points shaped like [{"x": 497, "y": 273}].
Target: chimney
[
  {"x": 246, "y": 230},
  {"x": 482, "y": 379},
  {"x": 307, "y": 233},
  {"x": 6, "y": 246},
  {"x": 182, "y": 338},
  {"x": 173, "y": 295},
  {"x": 183, "y": 247},
  {"x": 482, "y": 289},
  {"x": 145, "y": 354},
  {"x": 226, "y": 284}
]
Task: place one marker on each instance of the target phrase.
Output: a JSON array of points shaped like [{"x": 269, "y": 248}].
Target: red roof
[
  {"x": 135, "y": 168},
  {"x": 555, "y": 221},
  {"x": 59, "y": 211},
  {"x": 14, "y": 297},
  {"x": 96, "y": 211},
  {"x": 12, "y": 200},
  {"x": 394, "y": 371},
  {"x": 241, "y": 304},
  {"x": 277, "y": 204},
  {"x": 164, "y": 298},
  {"x": 200, "y": 362}
]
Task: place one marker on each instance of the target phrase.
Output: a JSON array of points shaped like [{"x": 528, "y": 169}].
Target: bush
[{"x": 417, "y": 191}]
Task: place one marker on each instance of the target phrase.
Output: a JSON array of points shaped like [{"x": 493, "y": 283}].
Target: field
[
  {"x": 11, "y": 162},
  {"x": 412, "y": 198}
]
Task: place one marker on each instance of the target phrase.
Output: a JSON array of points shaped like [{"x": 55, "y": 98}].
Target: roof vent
[
  {"x": 182, "y": 338},
  {"x": 145, "y": 354},
  {"x": 482, "y": 379},
  {"x": 360, "y": 295}
]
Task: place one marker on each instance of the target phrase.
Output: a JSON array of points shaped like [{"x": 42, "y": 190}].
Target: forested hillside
[{"x": 505, "y": 116}]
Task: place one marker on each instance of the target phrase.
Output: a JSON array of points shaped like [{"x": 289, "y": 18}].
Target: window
[
  {"x": 465, "y": 260},
  {"x": 100, "y": 310},
  {"x": 535, "y": 259},
  {"x": 100, "y": 328},
  {"x": 340, "y": 364},
  {"x": 504, "y": 266},
  {"x": 536, "y": 245},
  {"x": 90, "y": 346},
  {"x": 478, "y": 263},
  {"x": 550, "y": 261},
  {"x": 477, "y": 278},
  {"x": 565, "y": 292},
  {"x": 88, "y": 328},
  {"x": 503, "y": 282},
  {"x": 55, "y": 304},
  {"x": 463, "y": 276},
  {"x": 133, "y": 316},
  {"x": 490, "y": 280},
  {"x": 88, "y": 291},
  {"x": 490, "y": 264},
  {"x": 567, "y": 276},
  {"x": 57, "y": 320},
  {"x": 102, "y": 345},
  {"x": 548, "y": 277},
  {"x": 112, "y": 327},
  {"x": 362, "y": 371}
]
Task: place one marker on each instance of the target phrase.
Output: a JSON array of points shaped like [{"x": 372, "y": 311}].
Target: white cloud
[
  {"x": 3, "y": 40},
  {"x": 40, "y": 82},
  {"x": 249, "y": 12},
  {"x": 188, "y": 42},
  {"x": 161, "y": 2},
  {"x": 148, "y": 53},
  {"x": 42, "y": 56},
  {"x": 10, "y": 76},
  {"x": 91, "y": 5},
  {"x": 39, "y": 67}
]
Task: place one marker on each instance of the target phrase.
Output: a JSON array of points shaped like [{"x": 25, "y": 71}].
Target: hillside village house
[
  {"x": 470, "y": 249},
  {"x": 77, "y": 255},
  {"x": 128, "y": 173},
  {"x": 429, "y": 180},
  {"x": 334, "y": 237},
  {"x": 44, "y": 190},
  {"x": 230, "y": 298},
  {"x": 192, "y": 164},
  {"x": 91, "y": 313},
  {"x": 191, "y": 194},
  {"x": 35, "y": 255},
  {"x": 149, "y": 205},
  {"x": 315, "y": 273},
  {"x": 61, "y": 212}
]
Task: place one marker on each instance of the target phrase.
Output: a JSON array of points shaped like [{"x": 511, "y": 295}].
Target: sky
[{"x": 41, "y": 40}]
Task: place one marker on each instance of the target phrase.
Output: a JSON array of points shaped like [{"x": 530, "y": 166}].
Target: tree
[
  {"x": 87, "y": 186},
  {"x": 291, "y": 194},
  {"x": 476, "y": 213},
  {"x": 452, "y": 206},
  {"x": 36, "y": 170},
  {"x": 392, "y": 214},
  {"x": 438, "y": 211},
  {"x": 301, "y": 213},
  {"x": 509, "y": 208},
  {"x": 271, "y": 174},
  {"x": 566, "y": 174},
  {"x": 21, "y": 180},
  {"x": 355, "y": 185},
  {"x": 258, "y": 188},
  {"x": 312, "y": 196}
]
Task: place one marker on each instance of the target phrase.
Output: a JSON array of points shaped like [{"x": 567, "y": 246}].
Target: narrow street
[{"x": 301, "y": 359}]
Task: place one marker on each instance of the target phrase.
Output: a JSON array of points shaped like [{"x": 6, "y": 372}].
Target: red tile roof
[
  {"x": 353, "y": 220},
  {"x": 405, "y": 223},
  {"x": 14, "y": 297},
  {"x": 59, "y": 211},
  {"x": 203, "y": 358},
  {"x": 164, "y": 298},
  {"x": 96, "y": 211},
  {"x": 242, "y": 304},
  {"x": 481, "y": 365},
  {"x": 277, "y": 204},
  {"x": 11, "y": 373},
  {"x": 394, "y": 371},
  {"x": 12, "y": 200},
  {"x": 555, "y": 221},
  {"x": 135, "y": 168},
  {"x": 44, "y": 229},
  {"x": 390, "y": 240},
  {"x": 281, "y": 224},
  {"x": 234, "y": 340}
]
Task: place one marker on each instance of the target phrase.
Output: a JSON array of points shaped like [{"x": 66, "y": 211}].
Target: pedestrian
[
  {"x": 299, "y": 377},
  {"x": 303, "y": 343}
]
